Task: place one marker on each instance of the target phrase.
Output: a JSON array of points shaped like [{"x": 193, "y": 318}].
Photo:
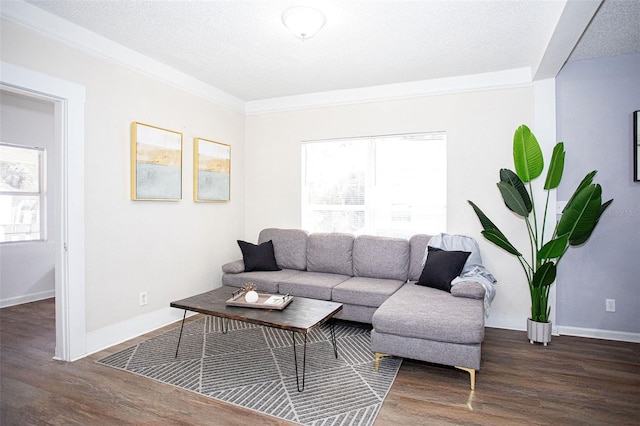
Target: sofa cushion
[
  {"x": 365, "y": 291},
  {"x": 418, "y": 245},
  {"x": 316, "y": 285},
  {"x": 427, "y": 313},
  {"x": 258, "y": 257},
  {"x": 442, "y": 267},
  {"x": 266, "y": 282},
  {"x": 330, "y": 252},
  {"x": 381, "y": 257},
  {"x": 290, "y": 246}
]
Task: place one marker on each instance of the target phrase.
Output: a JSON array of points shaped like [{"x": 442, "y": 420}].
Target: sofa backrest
[
  {"x": 330, "y": 252},
  {"x": 338, "y": 253},
  {"x": 418, "y": 245},
  {"x": 289, "y": 246},
  {"x": 381, "y": 257}
]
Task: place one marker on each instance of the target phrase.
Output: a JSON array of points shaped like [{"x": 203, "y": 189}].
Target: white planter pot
[{"x": 538, "y": 331}]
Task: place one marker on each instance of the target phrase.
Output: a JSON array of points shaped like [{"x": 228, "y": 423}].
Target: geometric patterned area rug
[{"x": 253, "y": 367}]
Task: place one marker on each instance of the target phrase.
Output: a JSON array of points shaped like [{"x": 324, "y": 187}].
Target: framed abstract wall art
[
  {"x": 211, "y": 171},
  {"x": 156, "y": 163}
]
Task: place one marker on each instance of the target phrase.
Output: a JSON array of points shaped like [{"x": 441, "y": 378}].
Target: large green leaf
[
  {"x": 554, "y": 248},
  {"x": 492, "y": 233},
  {"x": 589, "y": 218},
  {"x": 509, "y": 177},
  {"x": 556, "y": 167},
  {"x": 484, "y": 220},
  {"x": 527, "y": 155},
  {"x": 586, "y": 181},
  {"x": 581, "y": 214},
  {"x": 499, "y": 239},
  {"x": 545, "y": 275},
  {"x": 583, "y": 239},
  {"x": 512, "y": 199}
]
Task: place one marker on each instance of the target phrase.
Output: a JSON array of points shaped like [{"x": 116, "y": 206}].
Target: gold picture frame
[
  {"x": 156, "y": 163},
  {"x": 211, "y": 171}
]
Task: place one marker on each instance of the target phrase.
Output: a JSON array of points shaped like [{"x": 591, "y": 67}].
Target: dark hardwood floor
[{"x": 571, "y": 381}]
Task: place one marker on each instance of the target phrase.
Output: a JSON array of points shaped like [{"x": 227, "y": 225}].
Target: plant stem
[
  {"x": 544, "y": 218},
  {"x": 535, "y": 227},
  {"x": 533, "y": 267},
  {"x": 527, "y": 269}
]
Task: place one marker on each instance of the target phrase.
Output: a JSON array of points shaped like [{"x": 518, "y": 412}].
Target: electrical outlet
[
  {"x": 143, "y": 298},
  {"x": 611, "y": 305}
]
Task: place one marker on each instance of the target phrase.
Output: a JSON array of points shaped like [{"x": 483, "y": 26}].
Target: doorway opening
[{"x": 68, "y": 103}]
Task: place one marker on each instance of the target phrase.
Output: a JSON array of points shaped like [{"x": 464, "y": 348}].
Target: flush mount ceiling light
[{"x": 303, "y": 22}]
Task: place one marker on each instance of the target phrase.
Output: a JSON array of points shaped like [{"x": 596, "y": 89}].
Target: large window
[
  {"x": 393, "y": 185},
  {"x": 22, "y": 195}
]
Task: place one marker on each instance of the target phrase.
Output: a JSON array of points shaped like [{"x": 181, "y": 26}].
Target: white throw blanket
[{"x": 473, "y": 269}]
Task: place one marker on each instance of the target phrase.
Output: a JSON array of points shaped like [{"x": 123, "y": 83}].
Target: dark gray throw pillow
[
  {"x": 258, "y": 257},
  {"x": 442, "y": 267}
]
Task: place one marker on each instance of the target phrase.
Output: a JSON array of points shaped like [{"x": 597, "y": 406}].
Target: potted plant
[{"x": 578, "y": 220}]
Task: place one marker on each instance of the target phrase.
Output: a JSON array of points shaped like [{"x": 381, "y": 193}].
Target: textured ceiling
[
  {"x": 614, "y": 30},
  {"x": 242, "y": 47}
]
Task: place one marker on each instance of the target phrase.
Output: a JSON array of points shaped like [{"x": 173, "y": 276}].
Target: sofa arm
[
  {"x": 469, "y": 289},
  {"x": 235, "y": 267}
]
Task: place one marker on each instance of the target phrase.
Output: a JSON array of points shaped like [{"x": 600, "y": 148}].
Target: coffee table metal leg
[
  {"x": 333, "y": 338},
  {"x": 181, "y": 328},
  {"x": 304, "y": 360}
]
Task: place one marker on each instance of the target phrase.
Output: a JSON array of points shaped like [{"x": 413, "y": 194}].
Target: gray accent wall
[{"x": 595, "y": 103}]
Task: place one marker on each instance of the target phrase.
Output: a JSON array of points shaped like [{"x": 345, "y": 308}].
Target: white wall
[
  {"x": 27, "y": 270},
  {"x": 479, "y": 128},
  {"x": 169, "y": 249}
]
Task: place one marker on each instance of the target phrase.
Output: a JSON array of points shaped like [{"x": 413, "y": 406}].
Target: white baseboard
[
  {"x": 26, "y": 298},
  {"x": 106, "y": 337},
  {"x": 519, "y": 323},
  {"x": 600, "y": 334}
]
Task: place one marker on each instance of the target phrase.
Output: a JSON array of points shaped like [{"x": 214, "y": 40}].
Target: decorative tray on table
[{"x": 265, "y": 301}]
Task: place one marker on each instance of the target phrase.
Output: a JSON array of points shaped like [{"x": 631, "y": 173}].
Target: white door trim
[{"x": 69, "y": 100}]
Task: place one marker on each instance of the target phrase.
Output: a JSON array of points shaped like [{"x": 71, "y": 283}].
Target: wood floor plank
[{"x": 571, "y": 381}]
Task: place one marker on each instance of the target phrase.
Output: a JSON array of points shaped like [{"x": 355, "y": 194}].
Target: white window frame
[
  {"x": 41, "y": 194},
  {"x": 369, "y": 206}
]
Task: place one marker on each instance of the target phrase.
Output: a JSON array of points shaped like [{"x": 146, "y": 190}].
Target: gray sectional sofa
[{"x": 374, "y": 278}]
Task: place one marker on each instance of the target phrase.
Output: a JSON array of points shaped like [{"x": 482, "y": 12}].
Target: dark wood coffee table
[{"x": 301, "y": 316}]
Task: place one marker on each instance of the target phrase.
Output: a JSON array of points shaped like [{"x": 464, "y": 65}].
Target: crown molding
[
  {"x": 519, "y": 77},
  {"x": 73, "y": 35}
]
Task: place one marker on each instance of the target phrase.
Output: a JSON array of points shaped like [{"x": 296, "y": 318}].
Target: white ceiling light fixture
[{"x": 303, "y": 22}]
